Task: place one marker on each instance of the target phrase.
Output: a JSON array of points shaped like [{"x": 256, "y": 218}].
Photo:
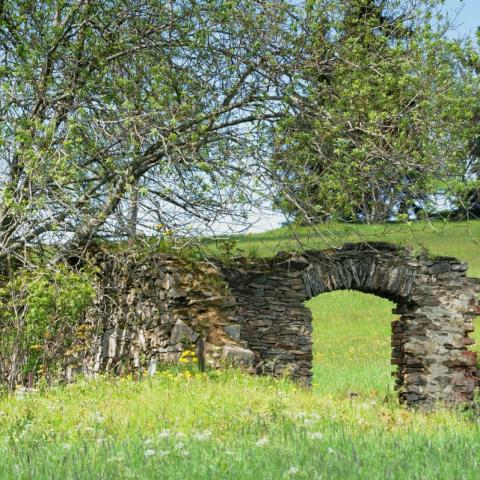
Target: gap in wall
[{"x": 351, "y": 344}]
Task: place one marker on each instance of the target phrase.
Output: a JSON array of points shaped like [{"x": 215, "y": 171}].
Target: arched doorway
[
  {"x": 434, "y": 299},
  {"x": 351, "y": 340}
]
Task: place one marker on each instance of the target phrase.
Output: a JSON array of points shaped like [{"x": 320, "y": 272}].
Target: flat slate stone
[
  {"x": 238, "y": 356},
  {"x": 182, "y": 333}
]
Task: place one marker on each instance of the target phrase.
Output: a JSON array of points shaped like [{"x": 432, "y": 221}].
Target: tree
[
  {"x": 381, "y": 117},
  {"x": 117, "y": 111}
]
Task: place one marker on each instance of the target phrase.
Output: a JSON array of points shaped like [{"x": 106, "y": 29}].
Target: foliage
[
  {"x": 165, "y": 118},
  {"x": 120, "y": 115},
  {"x": 383, "y": 116},
  {"x": 41, "y": 310}
]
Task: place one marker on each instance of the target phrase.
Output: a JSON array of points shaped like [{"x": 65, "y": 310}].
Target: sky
[{"x": 466, "y": 15}]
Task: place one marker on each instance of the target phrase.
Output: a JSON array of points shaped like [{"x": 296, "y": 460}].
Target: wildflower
[
  {"x": 330, "y": 450},
  {"x": 203, "y": 435},
  {"x": 164, "y": 434},
  {"x": 148, "y": 441},
  {"x": 97, "y": 417},
  {"x": 262, "y": 441},
  {"x": 149, "y": 453},
  {"x": 187, "y": 356},
  {"x": 315, "y": 435},
  {"x": 293, "y": 470},
  {"x": 163, "y": 453}
]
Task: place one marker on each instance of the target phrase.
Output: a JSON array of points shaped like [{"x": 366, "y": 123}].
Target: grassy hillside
[
  {"x": 460, "y": 239},
  {"x": 232, "y": 426}
]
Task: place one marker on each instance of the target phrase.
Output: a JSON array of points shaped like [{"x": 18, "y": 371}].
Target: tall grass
[{"x": 229, "y": 425}]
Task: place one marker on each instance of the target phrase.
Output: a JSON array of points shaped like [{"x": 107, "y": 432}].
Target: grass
[
  {"x": 460, "y": 239},
  {"x": 228, "y": 425},
  {"x": 352, "y": 344}
]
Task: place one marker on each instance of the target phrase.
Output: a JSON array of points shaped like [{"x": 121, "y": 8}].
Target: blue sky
[{"x": 469, "y": 15}]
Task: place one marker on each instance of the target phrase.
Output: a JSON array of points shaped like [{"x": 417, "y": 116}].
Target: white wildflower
[
  {"x": 315, "y": 435},
  {"x": 164, "y": 433},
  {"x": 293, "y": 470},
  {"x": 149, "y": 453},
  {"x": 97, "y": 417},
  {"x": 330, "y": 450},
  {"x": 203, "y": 435},
  {"x": 262, "y": 441},
  {"x": 148, "y": 441}
]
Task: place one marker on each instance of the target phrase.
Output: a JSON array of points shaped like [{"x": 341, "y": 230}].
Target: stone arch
[{"x": 435, "y": 300}]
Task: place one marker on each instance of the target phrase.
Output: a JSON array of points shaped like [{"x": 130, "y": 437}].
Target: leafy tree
[
  {"x": 382, "y": 115},
  {"x": 114, "y": 112}
]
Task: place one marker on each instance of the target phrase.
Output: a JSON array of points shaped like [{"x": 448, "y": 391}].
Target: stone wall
[
  {"x": 435, "y": 300},
  {"x": 149, "y": 310},
  {"x": 252, "y": 312}
]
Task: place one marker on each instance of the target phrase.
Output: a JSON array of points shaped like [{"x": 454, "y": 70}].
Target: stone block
[
  {"x": 238, "y": 356},
  {"x": 182, "y": 333},
  {"x": 109, "y": 344},
  {"x": 233, "y": 331}
]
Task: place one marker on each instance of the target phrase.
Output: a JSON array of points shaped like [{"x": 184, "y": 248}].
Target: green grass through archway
[{"x": 351, "y": 344}]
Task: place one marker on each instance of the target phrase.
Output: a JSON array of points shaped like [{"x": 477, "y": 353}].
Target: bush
[{"x": 40, "y": 310}]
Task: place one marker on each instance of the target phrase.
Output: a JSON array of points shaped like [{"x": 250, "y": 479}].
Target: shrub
[{"x": 40, "y": 310}]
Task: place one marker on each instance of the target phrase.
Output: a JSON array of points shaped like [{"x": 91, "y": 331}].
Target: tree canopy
[
  {"x": 383, "y": 117},
  {"x": 120, "y": 116}
]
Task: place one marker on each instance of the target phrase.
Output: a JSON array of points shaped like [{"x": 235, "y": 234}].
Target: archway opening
[{"x": 352, "y": 344}]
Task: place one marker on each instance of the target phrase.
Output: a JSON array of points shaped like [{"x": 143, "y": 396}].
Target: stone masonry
[
  {"x": 435, "y": 300},
  {"x": 149, "y": 310},
  {"x": 252, "y": 313}
]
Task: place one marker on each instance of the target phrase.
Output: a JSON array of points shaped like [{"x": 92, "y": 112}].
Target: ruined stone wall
[
  {"x": 252, "y": 312},
  {"x": 274, "y": 321},
  {"x": 435, "y": 300},
  {"x": 149, "y": 310}
]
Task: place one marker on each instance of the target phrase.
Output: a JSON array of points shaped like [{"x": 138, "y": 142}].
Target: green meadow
[{"x": 180, "y": 424}]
